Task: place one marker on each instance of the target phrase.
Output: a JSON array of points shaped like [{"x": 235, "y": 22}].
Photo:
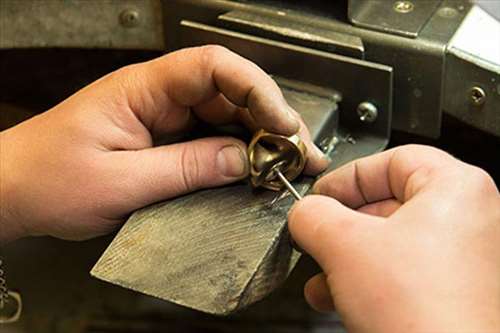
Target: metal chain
[{"x": 4, "y": 291}]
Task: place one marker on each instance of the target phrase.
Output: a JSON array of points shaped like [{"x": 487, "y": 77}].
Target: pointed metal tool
[{"x": 289, "y": 186}]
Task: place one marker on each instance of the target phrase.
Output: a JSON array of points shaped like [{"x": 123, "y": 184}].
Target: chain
[{"x": 4, "y": 291}]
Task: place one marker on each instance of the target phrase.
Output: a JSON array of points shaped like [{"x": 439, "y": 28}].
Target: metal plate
[
  {"x": 473, "y": 62},
  {"x": 278, "y": 27},
  {"x": 308, "y": 65},
  {"x": 82, "y": 24},
  {"x": 404, "y": 17},
  {"x": 418, "y": 62}
]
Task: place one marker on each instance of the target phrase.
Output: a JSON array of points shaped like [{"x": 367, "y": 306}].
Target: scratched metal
[
  {"x": 81, "y": 24},
  {"x": 216, "y": 250}
]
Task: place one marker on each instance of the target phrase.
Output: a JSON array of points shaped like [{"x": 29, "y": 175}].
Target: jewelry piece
[{"x": 270, "y": 154}]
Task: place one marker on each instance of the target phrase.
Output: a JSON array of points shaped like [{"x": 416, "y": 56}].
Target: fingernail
[{"x": 232, "y": 161}]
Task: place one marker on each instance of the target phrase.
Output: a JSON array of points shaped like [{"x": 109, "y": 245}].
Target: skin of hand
[
  {"x": 78, "y": 170},
  {"x": 408, "y": 241}
]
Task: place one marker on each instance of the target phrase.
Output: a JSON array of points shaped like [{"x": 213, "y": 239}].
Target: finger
[
  {"x": 190, "y": 77},
  {"x": 383, "y": 208},
  {"x": 397, "y": 173},
  {"x": 323, "y": 227},
  {"x": 317, "y": 161},
  {"x": 220, "y": 111},
  {"x": 318, "y": 294},
  {"x": 164, "y": 172}
]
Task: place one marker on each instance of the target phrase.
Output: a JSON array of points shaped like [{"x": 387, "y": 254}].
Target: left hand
[{"x": 78, "y": 170}]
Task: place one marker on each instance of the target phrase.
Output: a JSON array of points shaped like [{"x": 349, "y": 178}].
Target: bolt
[
  {"x": 477, "y": 96},
  {"x": 337, "y": 97},
  {"x": 403, "y": 7},
  {"x": 448, "y": 12},
  {"x": 129, "y": 18},
  {"x": 367, "y": 112}
]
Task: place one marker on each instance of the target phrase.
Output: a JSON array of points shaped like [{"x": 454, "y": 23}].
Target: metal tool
[
  {"x": 289, "y": 186},
  {"x": 276, "y": 160},
  {"x": 10, "y": 301}
]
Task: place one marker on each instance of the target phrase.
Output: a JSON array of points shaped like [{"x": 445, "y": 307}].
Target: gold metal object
[
  {"x": 11, "y": 309},
  {"x": 271, "y": 155}
]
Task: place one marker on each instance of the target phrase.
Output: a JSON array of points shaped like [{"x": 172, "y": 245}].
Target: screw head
[
  {"x": 403, "y": 7},
  {"x": 477, "y": 96},
  {"x": 129, "y": 18},
  {"x": 367, "y": 112},
  {"x": 448, "y": 12}
]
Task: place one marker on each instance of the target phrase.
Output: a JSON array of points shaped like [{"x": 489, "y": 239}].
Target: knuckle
[
  {"x": 125, "y": 72},
  {"x": 127, "y": 77},
  {"x": 479, "y": 178},
  {"x": 211, "y": 53},
  {"x": 416, "y": 149},
  {"x": 189, "y": 168}
]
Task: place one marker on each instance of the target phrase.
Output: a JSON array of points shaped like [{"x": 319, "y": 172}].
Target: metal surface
[
  {"x": 473, "y": 94},
  {"x": 418, "y": 63},
  {"x": 404, "y": 18},
  {"x": 289, "y": 186},
  {"x": 472, "y": 91},
  {"x": 311, "y": 66},
  {"x": 270, "y": 26},
  {"x": 271, "y": 155},
  {"x": 117, "y": 24}
]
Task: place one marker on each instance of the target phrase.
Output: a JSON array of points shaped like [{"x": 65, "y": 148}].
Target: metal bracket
[
  {"x": 316, "y": 67},
  {"x": 403, "y": 17},
  {"x": 269, "y": 26}
]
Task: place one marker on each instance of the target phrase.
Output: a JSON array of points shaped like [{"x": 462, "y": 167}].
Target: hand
[
  {"x": 78, "y": 170},
  {"x": 408, "y": 240}
]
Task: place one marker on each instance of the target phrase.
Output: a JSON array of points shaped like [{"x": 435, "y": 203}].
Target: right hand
[{"x": 408, "y": 240}]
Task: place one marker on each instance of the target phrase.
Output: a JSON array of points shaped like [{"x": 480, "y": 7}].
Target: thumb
[
  {"x": 164, "y": 172},
  {"x": 325, "y": 228}
]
